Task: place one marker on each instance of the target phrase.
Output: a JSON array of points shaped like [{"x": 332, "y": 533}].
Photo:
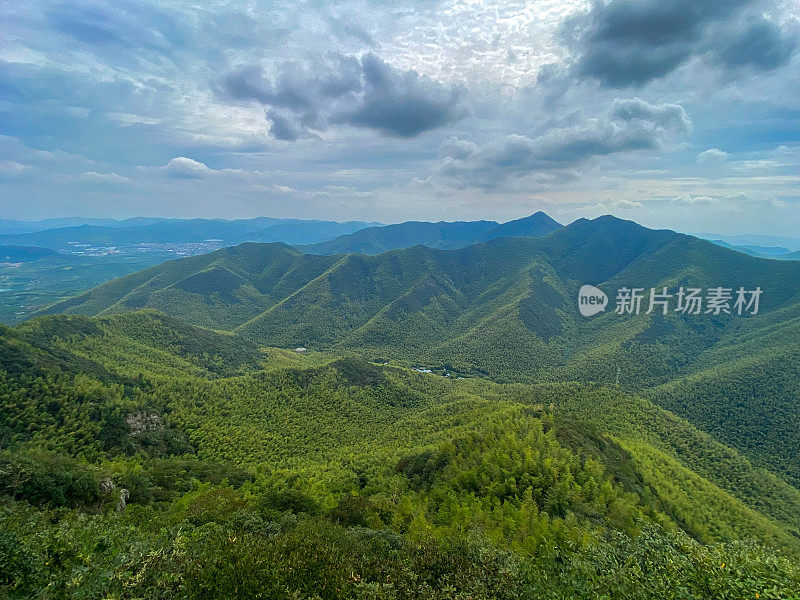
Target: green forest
[{"x": 146, "y": 458}]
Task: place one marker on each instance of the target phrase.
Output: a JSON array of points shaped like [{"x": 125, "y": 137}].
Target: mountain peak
[{"x": 535, "y": 225}]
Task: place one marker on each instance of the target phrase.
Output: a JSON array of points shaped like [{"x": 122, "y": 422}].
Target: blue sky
[{"x": 676, "y": 113}]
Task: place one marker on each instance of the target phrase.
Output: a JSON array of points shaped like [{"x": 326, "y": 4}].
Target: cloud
[
  {"x": 182, "y": 167},
  {"x": 664, "y": 116},
  {"x": 761, "y": 44},
  {"x": 611, "y": 206},
  {"x": 122, "y": 24},
  {"x": 623, "y": 203},
  {"x": 185, "y": 168},
  {"x": 11, "y": 169},
  {"x": 402, "y": 103},
  {"x": 457, "y": 148},
  {"x": 629, "y": 125},
  {"x": 690, "y": 199},
  {"x": 713, "y": 156},
  {"x": 95, "y": 177},
  {"x": 632, "y": 42},
  {"x": 345, "y": 90},
  {"x": 283, "y": 126}
]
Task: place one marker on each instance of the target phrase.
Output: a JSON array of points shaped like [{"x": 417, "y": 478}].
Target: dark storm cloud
[
  {"x": 401, "y": 103},
  {"x": 283, "y": 125},
  {"x": 631, "y": 42},
  {"x": 760, "y": 44},
  {"x": 364, "y": 92},
  {"x": 630, "y": 125}
]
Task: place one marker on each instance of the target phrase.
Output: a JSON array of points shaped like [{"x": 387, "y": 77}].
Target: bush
[{"x": 46, "y": 479}]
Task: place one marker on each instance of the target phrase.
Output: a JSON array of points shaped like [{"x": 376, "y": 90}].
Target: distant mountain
[
  {"x": 768, "y": 241},
  {"x": 791, "y": 256},
  {"x": 762, "y": 251},
  {"x": 261, "y": 284},
  {"x": 375, "y": 240},
  {"x": 443, "y": 235},
  {"x": 14, "y": 227},
  {"x": 169, "y": 231},
  {"x": 536, "y": 225},
  {"x": 295, "y": 231}
]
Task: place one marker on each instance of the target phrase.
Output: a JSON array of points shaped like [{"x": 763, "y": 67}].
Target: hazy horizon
[{"x": 743, "y": 232}]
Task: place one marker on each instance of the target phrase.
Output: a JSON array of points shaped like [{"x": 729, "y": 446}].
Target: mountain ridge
[{"x": 442, "y": 235}]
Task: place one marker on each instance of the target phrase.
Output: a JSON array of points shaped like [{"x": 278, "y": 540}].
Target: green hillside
[
  {"x": 506, "y": 309},
  {"x": 256, "y": 472},
  {"x": 520, "y": 440}
]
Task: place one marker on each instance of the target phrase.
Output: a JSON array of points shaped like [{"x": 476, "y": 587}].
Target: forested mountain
[
  {"x": 507, "y": 309},
  {"x": 374, "y": 240},
  {"x": 536, "y": 225},
  {"x": 257, "y": 472},
  {"x": 444, "y": 235}
]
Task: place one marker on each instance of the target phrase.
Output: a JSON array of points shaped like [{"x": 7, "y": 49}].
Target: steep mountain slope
[{"x": 218, "y": 290}]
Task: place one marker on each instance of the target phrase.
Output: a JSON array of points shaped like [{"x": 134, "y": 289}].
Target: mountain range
[
  {"x": 175, "y": 231},
  {"x": 451, "y": 414},
  {"x": 762, "y": 251},
  {"x": 443, "y": 235},
  {"x": 506, "y": 309}
]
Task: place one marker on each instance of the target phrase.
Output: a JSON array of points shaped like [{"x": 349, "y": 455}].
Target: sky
[{"x": 678, "y": 113}]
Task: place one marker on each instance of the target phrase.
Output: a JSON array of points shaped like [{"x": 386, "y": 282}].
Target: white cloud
[
  {"x": 690, "y": 199},
  {"x": 712, "y": 155},
  {"x": 95, "y": 177},
  {"x": 185, "y": 168}
]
